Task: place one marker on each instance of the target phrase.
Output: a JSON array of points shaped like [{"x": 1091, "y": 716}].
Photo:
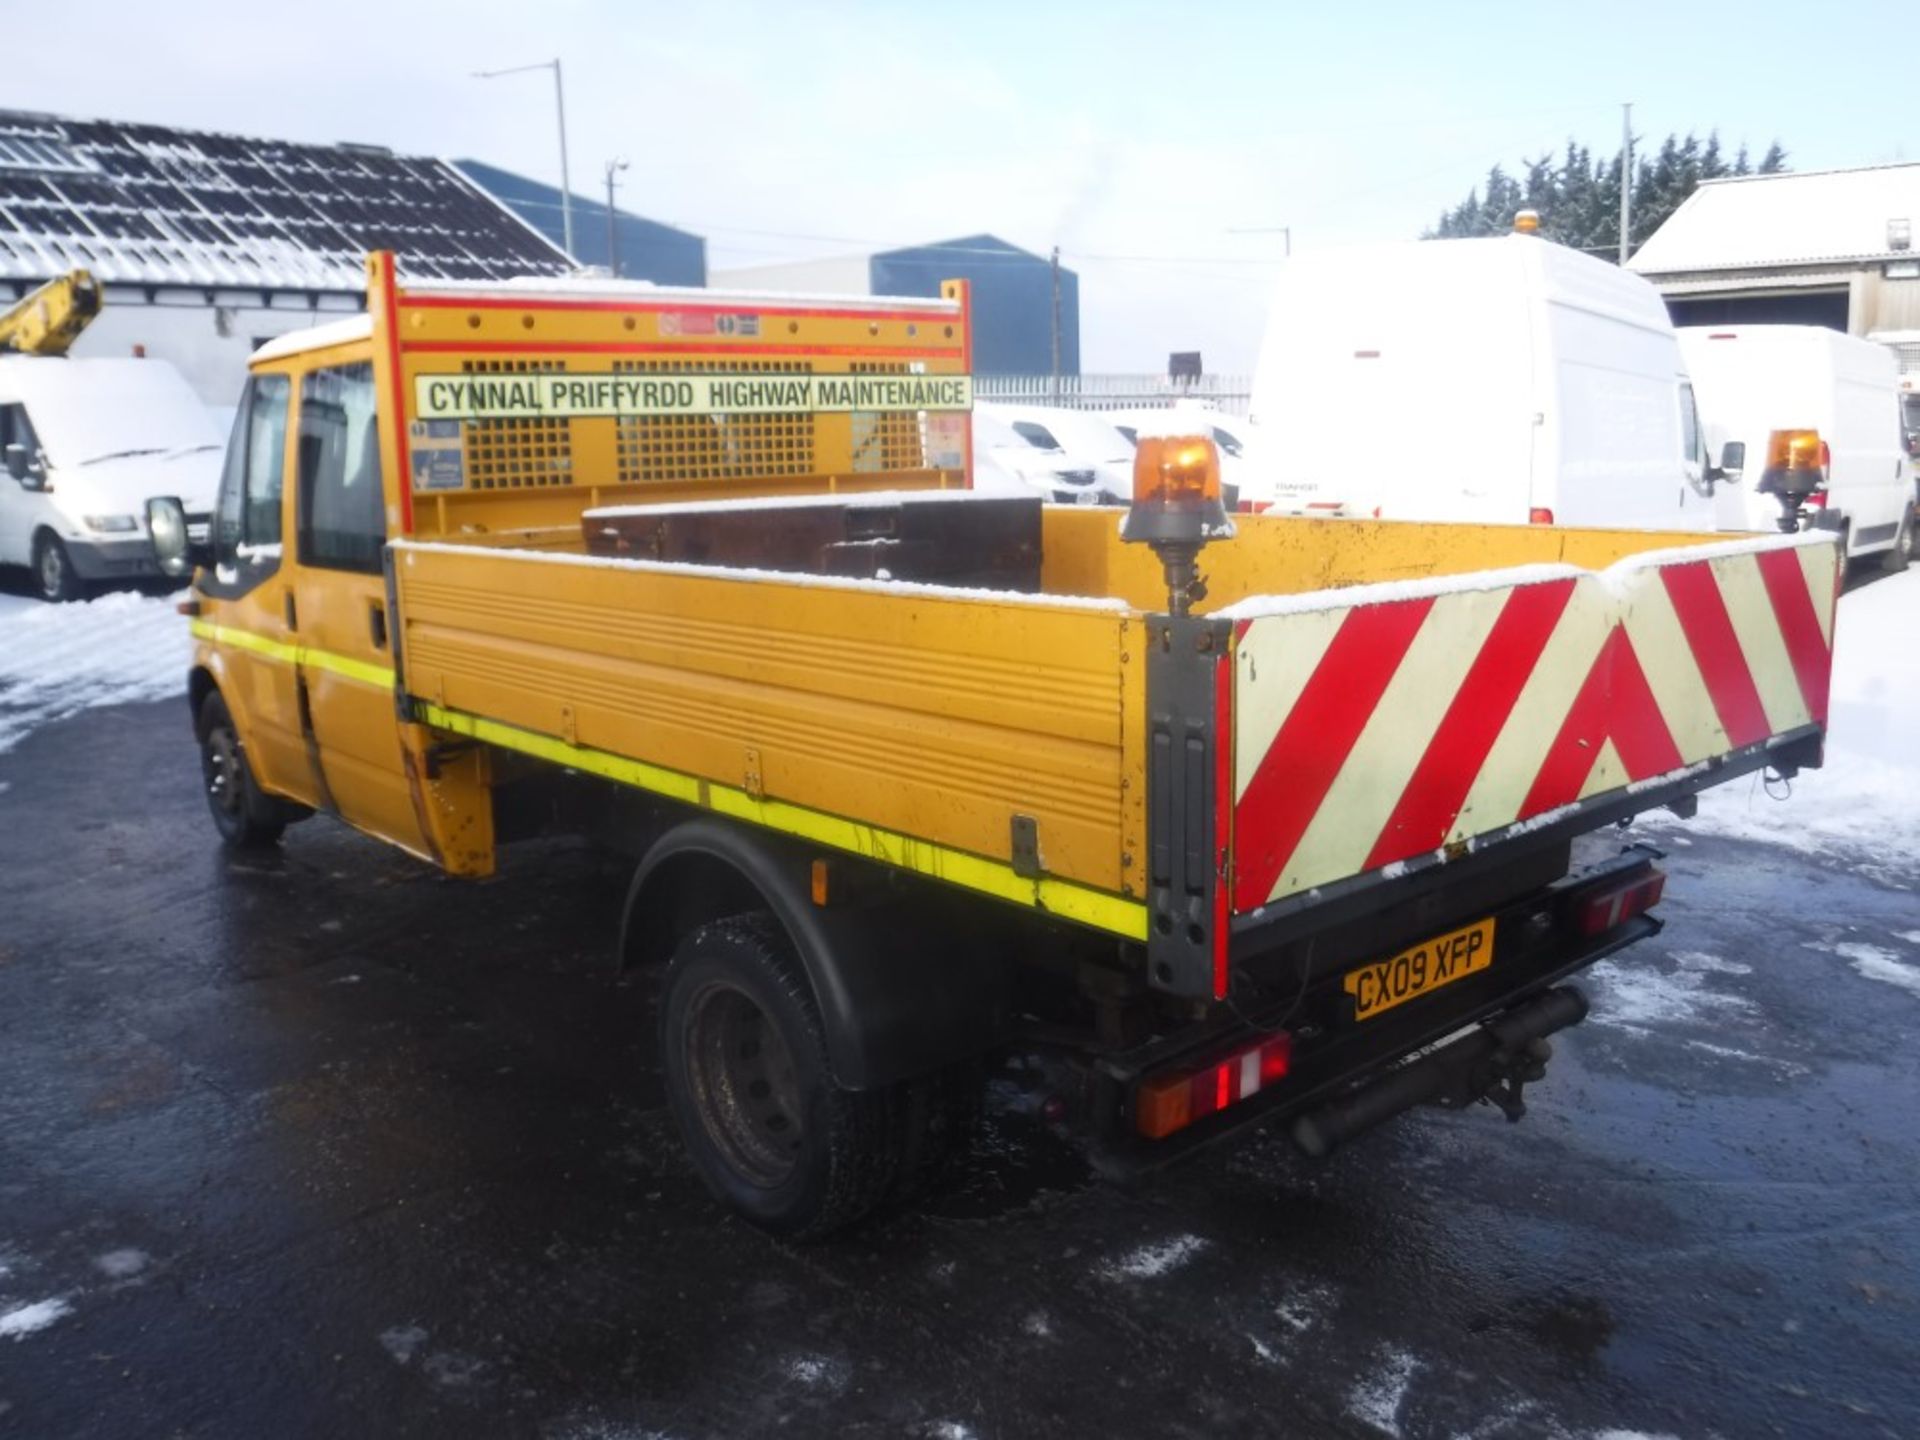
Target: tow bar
[{"x": 1496, "y": 1062}]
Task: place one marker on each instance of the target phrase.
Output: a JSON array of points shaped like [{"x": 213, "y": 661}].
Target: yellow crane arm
[{"x": 48, "y": 320}]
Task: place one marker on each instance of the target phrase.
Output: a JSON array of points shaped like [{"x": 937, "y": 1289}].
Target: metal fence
[{"x": 1229, "y": 393}]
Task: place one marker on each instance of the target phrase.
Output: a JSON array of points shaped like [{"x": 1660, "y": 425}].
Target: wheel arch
[
  {"x": 898, "y": 991},
  {"x": 200, "y": 684}
]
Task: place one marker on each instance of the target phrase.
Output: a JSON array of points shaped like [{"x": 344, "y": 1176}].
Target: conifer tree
[{"x": 1578, "y": 198}]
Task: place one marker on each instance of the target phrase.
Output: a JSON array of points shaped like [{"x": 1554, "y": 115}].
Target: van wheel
[
  {"x": 1901, "y": 555},
  {"x": 53, "y": 573},
  {"x": 768, "y": 1128},
  {"x": 246, "y": 817}
]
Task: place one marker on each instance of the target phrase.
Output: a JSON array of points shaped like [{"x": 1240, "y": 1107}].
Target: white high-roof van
[
  {"x": 1759, "y": 382},
  {"x": 1502, "y": 380},
  {"x": 85, "y": 443}
]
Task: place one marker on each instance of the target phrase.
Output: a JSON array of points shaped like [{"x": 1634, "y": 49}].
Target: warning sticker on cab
[{"x": 580, "y": 396}]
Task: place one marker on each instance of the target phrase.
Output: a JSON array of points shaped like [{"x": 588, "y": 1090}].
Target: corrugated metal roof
[
  {"x": 148, "y": 205},
  {"x": 1820, "y": 217},
  {"x": 1750, "y": 280}
]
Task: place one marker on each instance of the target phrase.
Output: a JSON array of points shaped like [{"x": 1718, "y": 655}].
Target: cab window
[
  {"x": 247, "y": 528},
  {"x": 343, "y": 518},
  {"x": 1691, "y": 446},
  {"x": 17, "y": 429}
]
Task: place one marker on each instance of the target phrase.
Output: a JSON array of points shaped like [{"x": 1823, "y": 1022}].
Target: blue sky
[{"x": 1143, "y": 139}]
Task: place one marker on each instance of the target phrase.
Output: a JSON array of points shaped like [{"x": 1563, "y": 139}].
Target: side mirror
[
  {"x": 1733, "y": 460},
  {"x": 1913, "y": 445},
  {"x": 21, "y": 467},
  {"x": 173, "y": 550}
]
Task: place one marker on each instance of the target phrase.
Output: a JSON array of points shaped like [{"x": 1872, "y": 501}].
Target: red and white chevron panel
[{"x": 1411, "y": 718}]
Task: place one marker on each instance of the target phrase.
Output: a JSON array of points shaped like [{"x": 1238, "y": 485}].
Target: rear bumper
[{"x": 1332, "y": 1057}]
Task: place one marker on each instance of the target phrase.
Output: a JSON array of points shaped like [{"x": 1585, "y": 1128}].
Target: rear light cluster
[
  {"x": 1539, "y": 515},
  {"x": 1170, "y": 1102},
  {"x": 1620, "y": 901}
]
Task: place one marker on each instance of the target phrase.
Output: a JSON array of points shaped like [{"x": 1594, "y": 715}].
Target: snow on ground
[
  {"x": 25, "y": 1320},
  {"x": 1873, "y": 963},
  {"x": 1862, "y": 807},
  {"x": 1151, "y": 1261},
  {"x": 1376, "y": 1400},
  {"x": 56, "y": 660}
]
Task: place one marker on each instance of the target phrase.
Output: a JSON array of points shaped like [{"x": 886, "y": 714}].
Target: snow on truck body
[{"x": 908, "y": 766}]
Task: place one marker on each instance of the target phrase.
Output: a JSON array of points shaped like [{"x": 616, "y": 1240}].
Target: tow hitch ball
[{"x": 1501, "y": 1081}]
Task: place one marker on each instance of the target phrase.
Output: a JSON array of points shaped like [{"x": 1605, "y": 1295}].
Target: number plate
[{"x": 1380, "y": 985}]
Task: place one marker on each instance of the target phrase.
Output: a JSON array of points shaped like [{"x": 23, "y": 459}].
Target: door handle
[
  {"x": 289, "y": 611},
  {"x": 377, "y": 624}
]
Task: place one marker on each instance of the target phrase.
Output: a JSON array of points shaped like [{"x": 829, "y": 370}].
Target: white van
[
  {"x": 85, "y": 444},
  {"x": 1840, "y": 395},
  {"x": 1499, "y": 380},
  {"x": 1080, "y": 449}
]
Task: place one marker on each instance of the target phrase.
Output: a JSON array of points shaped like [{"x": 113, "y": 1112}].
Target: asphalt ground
[{"x": 327, "y": 1145}]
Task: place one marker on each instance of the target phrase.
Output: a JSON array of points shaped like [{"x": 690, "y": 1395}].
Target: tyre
[
  {"x": 770, "y": 1131},
  {"x": 54, "y": 577},
  {"x": 246, "y": 817},
  {"x": 1901, "y": 555}
]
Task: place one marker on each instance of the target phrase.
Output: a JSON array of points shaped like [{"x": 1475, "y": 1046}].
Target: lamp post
[
  {"x": 613, "y": 253},
  {"x": 560, "y": 107}
]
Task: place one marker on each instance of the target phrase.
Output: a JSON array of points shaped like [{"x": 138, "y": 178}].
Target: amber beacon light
[{"x": 1176, "y": 505}]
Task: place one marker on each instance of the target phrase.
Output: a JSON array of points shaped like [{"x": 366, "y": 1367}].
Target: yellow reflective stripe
[
  {"x": 365, "y": 671},
  {"x": 1070, "y": 901}
]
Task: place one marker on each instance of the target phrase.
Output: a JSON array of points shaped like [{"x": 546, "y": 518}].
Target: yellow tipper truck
[{"x": 915, "y": 776}]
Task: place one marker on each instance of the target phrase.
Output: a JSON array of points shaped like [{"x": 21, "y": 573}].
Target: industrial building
[
  {"x": 646, "y": 249},
  {"x": 206, "y": 245},
  {"x": 1832, "y": 248},
  {"x": 1013, "y": 294}
]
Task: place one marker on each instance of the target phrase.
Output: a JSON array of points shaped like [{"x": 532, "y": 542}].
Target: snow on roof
[
  {"x": 1756, "y": 221},
  {"x": 149, "y": 205},
  {"x": 316, "y": 337}
]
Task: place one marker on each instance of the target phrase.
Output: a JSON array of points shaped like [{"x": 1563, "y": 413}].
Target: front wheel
[
  {"x": 748, "y": 1079},
  {"x": 53, "y": 573},
  {"x": 246, "y": 817}
]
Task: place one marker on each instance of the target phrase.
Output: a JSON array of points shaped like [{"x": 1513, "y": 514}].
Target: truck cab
[{"x": 86, "y": 444}]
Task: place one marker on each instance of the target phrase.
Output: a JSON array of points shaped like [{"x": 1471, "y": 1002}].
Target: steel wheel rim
[
  {"x": 220, "y": 765},
  {"x": 52, "y": 578},
  {"x": 740, "y": 1071}
]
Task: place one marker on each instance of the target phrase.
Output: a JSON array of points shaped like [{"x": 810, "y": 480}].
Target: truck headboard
[{"x": 523, "y": 409}]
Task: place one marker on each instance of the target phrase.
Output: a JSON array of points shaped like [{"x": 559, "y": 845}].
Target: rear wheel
[
  {"x": 53, "y": 573},
  {"x": 1901, "y": 555},
  {"x": 771, "y": 1132},
  {"x": 246, "y": 817}
]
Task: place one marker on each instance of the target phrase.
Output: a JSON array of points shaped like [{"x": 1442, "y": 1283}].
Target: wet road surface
[{"x": 325, "y": 1145}]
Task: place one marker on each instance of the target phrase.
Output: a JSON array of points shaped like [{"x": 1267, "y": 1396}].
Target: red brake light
[
  {"x": 1615, "y": 904},
  {"x": 1170, "y": 1102},
  {"x": 1539, "y": 515}
]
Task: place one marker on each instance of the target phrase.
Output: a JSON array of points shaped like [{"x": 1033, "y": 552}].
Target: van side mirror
[
  {"x": 173, "y": 549},
  {"x": 1733, "y": 460},
  {"x": 21, "y": 466}
]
